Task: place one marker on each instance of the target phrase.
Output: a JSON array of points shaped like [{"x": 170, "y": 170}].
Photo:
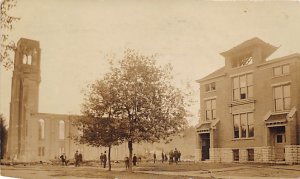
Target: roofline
[
  {"x": 294, "y": 55},
  {"x": 248, "y": 43},
  {"x": 202, "y": 80}
]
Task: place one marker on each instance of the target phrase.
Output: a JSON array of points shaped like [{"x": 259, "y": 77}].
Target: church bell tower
[{"x": 24, "y": 96}]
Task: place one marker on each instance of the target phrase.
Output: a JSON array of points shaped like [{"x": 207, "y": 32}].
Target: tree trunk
[
  {"x": 130, "y": 155},
  {"x": 109, "y": 164}
]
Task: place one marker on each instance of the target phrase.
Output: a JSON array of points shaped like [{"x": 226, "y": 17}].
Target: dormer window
[
  {"x": 242, "y": 61},
  {"x": 210, "y": 87}
]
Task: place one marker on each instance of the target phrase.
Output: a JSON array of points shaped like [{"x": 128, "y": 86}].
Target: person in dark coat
[
  {"x": 134, "y": 160},
  {"x": 101, "y": 159},
  {"x": 171, "y": 155},
  {"x": 162, "y": 157},
  {"x": 63, "y": 159},
  {"x": 154, "y": 157},
  {"x": 76, "y": 157},
  {"x": 80, "y": 158},
  {"x": 176, "y": 155},
  {"x": 126, "y": 162},
  {"x": 104, "y": 159}
]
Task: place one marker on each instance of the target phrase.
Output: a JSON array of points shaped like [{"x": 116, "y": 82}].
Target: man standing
[
  {"x": 76, "y": 157},
  {"x": 134, "y": 160},
  {"x": 104, "y": 159},
  {"x": 101, "y": 159},
  {"x": 80, "y": 158},
  {"x": 154, "y": 157},
  {"x": 176, "y": 155},
  {"x": 162, "y": 157}
]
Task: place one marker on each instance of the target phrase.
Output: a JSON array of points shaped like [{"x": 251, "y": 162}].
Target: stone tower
[{"x": 24, "y": 96}]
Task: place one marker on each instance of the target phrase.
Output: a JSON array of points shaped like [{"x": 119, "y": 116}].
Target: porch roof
[{"x": 276, "y": 120}]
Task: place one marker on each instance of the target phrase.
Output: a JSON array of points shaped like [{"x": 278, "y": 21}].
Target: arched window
[
  {"x": 24, "y": 59},
  {"x": 61, "y": 129},
  {"x": 41, "y": 129},
  {"x": 29, "y": 60}
]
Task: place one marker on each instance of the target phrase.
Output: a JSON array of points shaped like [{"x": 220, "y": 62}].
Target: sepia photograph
[{"x": 139, "y": 89}]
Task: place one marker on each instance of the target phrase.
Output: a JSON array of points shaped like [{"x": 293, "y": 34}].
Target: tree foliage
[
  {"x": 137, "y": 101},
  {"x": 7, "y": 22},
  {"x": 101, "y": 123},
  {"x": 3, "y": 136}
]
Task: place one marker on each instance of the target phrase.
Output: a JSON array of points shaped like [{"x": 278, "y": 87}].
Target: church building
[{"x": 250, "y": 107}]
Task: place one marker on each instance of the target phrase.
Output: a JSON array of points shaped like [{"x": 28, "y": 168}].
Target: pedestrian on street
[
  {"x": 154, "y": 157},
  {"x": 126, "y": 162},
  {"x": 176, "y": 155},
  {"x": 104, "y": 159},
  {"x": 134, "y": 160},
  {"x": 171, "y": 155},
  {"x": 101, "y": 159},
  {"x": 76, "y": 157},
  {"x": 80, "y": 158},
  {"x": 162, "y": 157},
  {"x": 63, "y": 159}
]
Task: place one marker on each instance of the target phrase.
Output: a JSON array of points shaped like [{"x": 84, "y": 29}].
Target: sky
[{"x": 76, "y": 37}]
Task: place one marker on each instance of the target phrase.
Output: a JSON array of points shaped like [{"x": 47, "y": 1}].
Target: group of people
[
  {"x": 103, "y": 159},
  {"x": 77, "y": 157},
  {"x": 174, "y": 156}
]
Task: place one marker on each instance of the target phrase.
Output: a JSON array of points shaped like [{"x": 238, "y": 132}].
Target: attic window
[{"x": 242, "y": 61}]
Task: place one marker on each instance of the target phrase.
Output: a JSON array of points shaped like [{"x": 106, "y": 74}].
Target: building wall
[{"x": 222, "y": 136}]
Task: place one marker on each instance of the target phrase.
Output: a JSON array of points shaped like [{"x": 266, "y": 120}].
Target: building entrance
[
  {"x": 278, "y": 142},
  {"x": 205, "y": 143}
]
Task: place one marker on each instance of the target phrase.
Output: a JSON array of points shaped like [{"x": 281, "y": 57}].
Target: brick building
[{"x": 250, "y": 107}]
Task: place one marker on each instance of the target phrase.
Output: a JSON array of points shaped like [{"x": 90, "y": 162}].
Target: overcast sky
[{"x": 76, "y": 35}]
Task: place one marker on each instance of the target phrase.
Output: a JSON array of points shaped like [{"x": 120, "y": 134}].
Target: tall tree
[
  {"x": 151, "y": 107},
  {"x": 7, "y": 22},
  {"x": 3, "y": 136},
  {"x": 134, "y": 102},
  {"x": 101, "y": 124}
]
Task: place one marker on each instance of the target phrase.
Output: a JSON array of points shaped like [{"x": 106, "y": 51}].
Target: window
[
  {"x": 41, "y": 129},
  {"x": 27, "y": 59},
  {"x": 210, "y": 87},
  {"x": 243, "y": 125},
  {"x": 61, "y": 129},
  {"x": 250, "y": 154},
  {"x": 41, "y": 151},
  {"x": 281, "y": 70},
  {"x": 210, "y": 109},
  {"x": 236, "y": 155},
  {"x": 243, "y": 87},
  {"x": 280, "y": 138},
  {"x": 242, "y": 61},
  {"x": 282, "y": 97}
]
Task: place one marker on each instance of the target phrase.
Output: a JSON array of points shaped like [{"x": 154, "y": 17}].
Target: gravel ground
[{"x": 187, "y": 170}]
